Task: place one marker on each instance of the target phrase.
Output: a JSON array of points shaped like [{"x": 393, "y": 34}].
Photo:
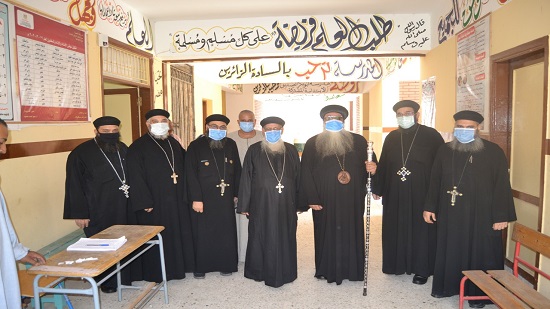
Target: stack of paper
[{"x": 97, "y": 244}]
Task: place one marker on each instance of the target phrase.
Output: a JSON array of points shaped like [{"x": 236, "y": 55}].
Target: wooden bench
[
  {"x": 502, "y": 287},
  {"x": 26, "y": 279}
]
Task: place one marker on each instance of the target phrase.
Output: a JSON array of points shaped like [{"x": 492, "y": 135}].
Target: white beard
[
  {"x": 475, "y": 146},
  {"x": 334, "y": 143},
  {"x": 276, "y": 148}
]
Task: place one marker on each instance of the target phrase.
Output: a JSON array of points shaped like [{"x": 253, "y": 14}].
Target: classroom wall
[{"x": 34, "y": 186}]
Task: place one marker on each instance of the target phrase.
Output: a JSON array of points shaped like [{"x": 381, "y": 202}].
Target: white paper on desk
[{"x": 97, "y": 244}]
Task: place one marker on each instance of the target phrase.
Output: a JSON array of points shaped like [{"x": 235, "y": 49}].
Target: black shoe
[
  {"x": 320, "y": 277},
  {"x": 417, "y": 279},
  {"x": 476, "y": 304},
  {"x": 226, "y": 273},
  {"x": 108, "y": 289},
  {"x": 199, "y": 275},
  {"x": 437, "y": 295}
]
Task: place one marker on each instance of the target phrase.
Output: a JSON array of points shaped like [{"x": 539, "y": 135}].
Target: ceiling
[{"x": 224, "y": 9}]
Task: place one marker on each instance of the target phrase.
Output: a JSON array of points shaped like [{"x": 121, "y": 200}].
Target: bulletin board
[
  {"x": 43, "y": 68},
  {"x": 52, "y": 72}
]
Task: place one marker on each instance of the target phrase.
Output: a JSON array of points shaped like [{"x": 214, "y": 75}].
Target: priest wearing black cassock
[
  {"x": 402, "y": 180},
  {"x": 96, "y": 187},
  {"x": 212, "y": 173},
  {"x": 268, "y": 196},
  {"x": 155, "y": 170},
  {"x": 470, "y": 202},
  {"x": 333, "y": 180}
]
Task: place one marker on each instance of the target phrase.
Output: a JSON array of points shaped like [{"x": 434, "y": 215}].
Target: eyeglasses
[
  {"x": 405, "y": 114},
  {"x": 272, "y": 129},
  {"x": 327, "y": 118},
  {"x": 157, "y": 121},
  {"x": 215, "y": 127}
]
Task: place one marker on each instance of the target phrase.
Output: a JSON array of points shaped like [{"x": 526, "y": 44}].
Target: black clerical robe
[
  {"x": 408, "y": 242},
  {"x": 152, "y": 186},
  {"x": 214, "y": 230},
  {"x": 339, "y": 226},
  {"x": 92, "y": 187},
  {"x": 465, "y": 236},
  {"x": 271, "y": 251},
  {"x": 92, "y": 192}
]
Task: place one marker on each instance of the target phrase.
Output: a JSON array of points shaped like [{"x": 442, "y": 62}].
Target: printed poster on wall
[
  {"x": 51, "y": 63},
  {"x": 6, "y": 103},
  {"x": 472, "y": 80}
]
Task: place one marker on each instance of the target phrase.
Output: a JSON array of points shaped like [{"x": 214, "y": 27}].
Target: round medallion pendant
[{"x": 344, "y": 177}]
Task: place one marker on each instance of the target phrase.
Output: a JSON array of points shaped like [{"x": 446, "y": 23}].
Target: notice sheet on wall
[
  {"x": 472, "y": 80},
  {"x": 51, "y": 63}
]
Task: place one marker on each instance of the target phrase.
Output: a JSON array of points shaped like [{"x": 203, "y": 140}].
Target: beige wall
[
  {"x": 34, "y": 186},
  {"x": 441, "y": 63}
]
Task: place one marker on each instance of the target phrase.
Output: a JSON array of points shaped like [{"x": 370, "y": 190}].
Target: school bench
[
  {"x": 502, "y": 287},
  {"x": 26, "y": 279}
]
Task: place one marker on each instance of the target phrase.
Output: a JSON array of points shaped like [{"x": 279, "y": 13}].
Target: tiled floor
[{"x": 215, "y": 291}]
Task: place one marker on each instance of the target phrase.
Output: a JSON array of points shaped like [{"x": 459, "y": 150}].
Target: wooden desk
[{"x": 137, "y": 235}]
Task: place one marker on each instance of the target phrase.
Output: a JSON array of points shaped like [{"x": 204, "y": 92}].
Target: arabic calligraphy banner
[
  {"x": 279, "y": 70},
  {"x": 52, "y": 69},
  {"x": 350, "y": 34},
  {"x": 113, "y": 18},
  {"x": 310, "y": 88}
]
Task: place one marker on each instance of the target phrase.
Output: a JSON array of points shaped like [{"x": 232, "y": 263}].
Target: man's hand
[
  {"x": 376, "y": 197},
  {"x": 370, "y": 167},
  {"x": 316, "y": 207},
  {"x": 33, "y": 258},
  {"x": 148, "y": 209},
  {"x": 198, "y": 207},
  {"x": 429, "y": 217},
  {"x": 500, "y": 226},
  {"x": 81, "y": 223}
]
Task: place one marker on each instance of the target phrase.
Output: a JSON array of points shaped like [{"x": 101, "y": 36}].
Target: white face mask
[
  {"x": 159, "y": 128},
  {"x": 405, "y": 122}
]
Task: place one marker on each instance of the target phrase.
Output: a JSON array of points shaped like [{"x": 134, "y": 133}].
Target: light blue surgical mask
[
  {"x": 217, "y": 134},
  {"x": 465, "y": 135},
  {"x": 405, "y": 122},
  {"x": 246, "y": 126},
  {"x": 273, "y": 136},
  {"x": 334, "y": 125}
]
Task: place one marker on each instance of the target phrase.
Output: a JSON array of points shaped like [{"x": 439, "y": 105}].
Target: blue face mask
[
  {"x": 405, "y": 122},
  {"x": 334, "y": 125},
  {"x": 246, "y": 126},
  {"x": 273, "y": 136},
  {"x": 217, "y": 134},
  {"x": 465, "y": 135}
]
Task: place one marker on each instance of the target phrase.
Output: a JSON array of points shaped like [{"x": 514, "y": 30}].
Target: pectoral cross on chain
[
  {"x": 222, "y": 186},
  {"x": 280, "y": 187},
  {"x": 124, "y": 188},
  {"x": 453, "y": 194},
  {"x": 403, "y": 172},
  {"x": 174, "y": 176}
]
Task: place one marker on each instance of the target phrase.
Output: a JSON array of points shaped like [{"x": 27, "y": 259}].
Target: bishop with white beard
[{"x": 333, "y": 180}]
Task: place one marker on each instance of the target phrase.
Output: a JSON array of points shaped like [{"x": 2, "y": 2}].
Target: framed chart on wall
[{"x": 51, "y": 69}]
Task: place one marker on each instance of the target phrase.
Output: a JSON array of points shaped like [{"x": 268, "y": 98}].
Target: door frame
[{"x": 500, "y": 123}]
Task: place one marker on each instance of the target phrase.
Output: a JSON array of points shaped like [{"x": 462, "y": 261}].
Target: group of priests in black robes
[{"x": 198, "y": 213}]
